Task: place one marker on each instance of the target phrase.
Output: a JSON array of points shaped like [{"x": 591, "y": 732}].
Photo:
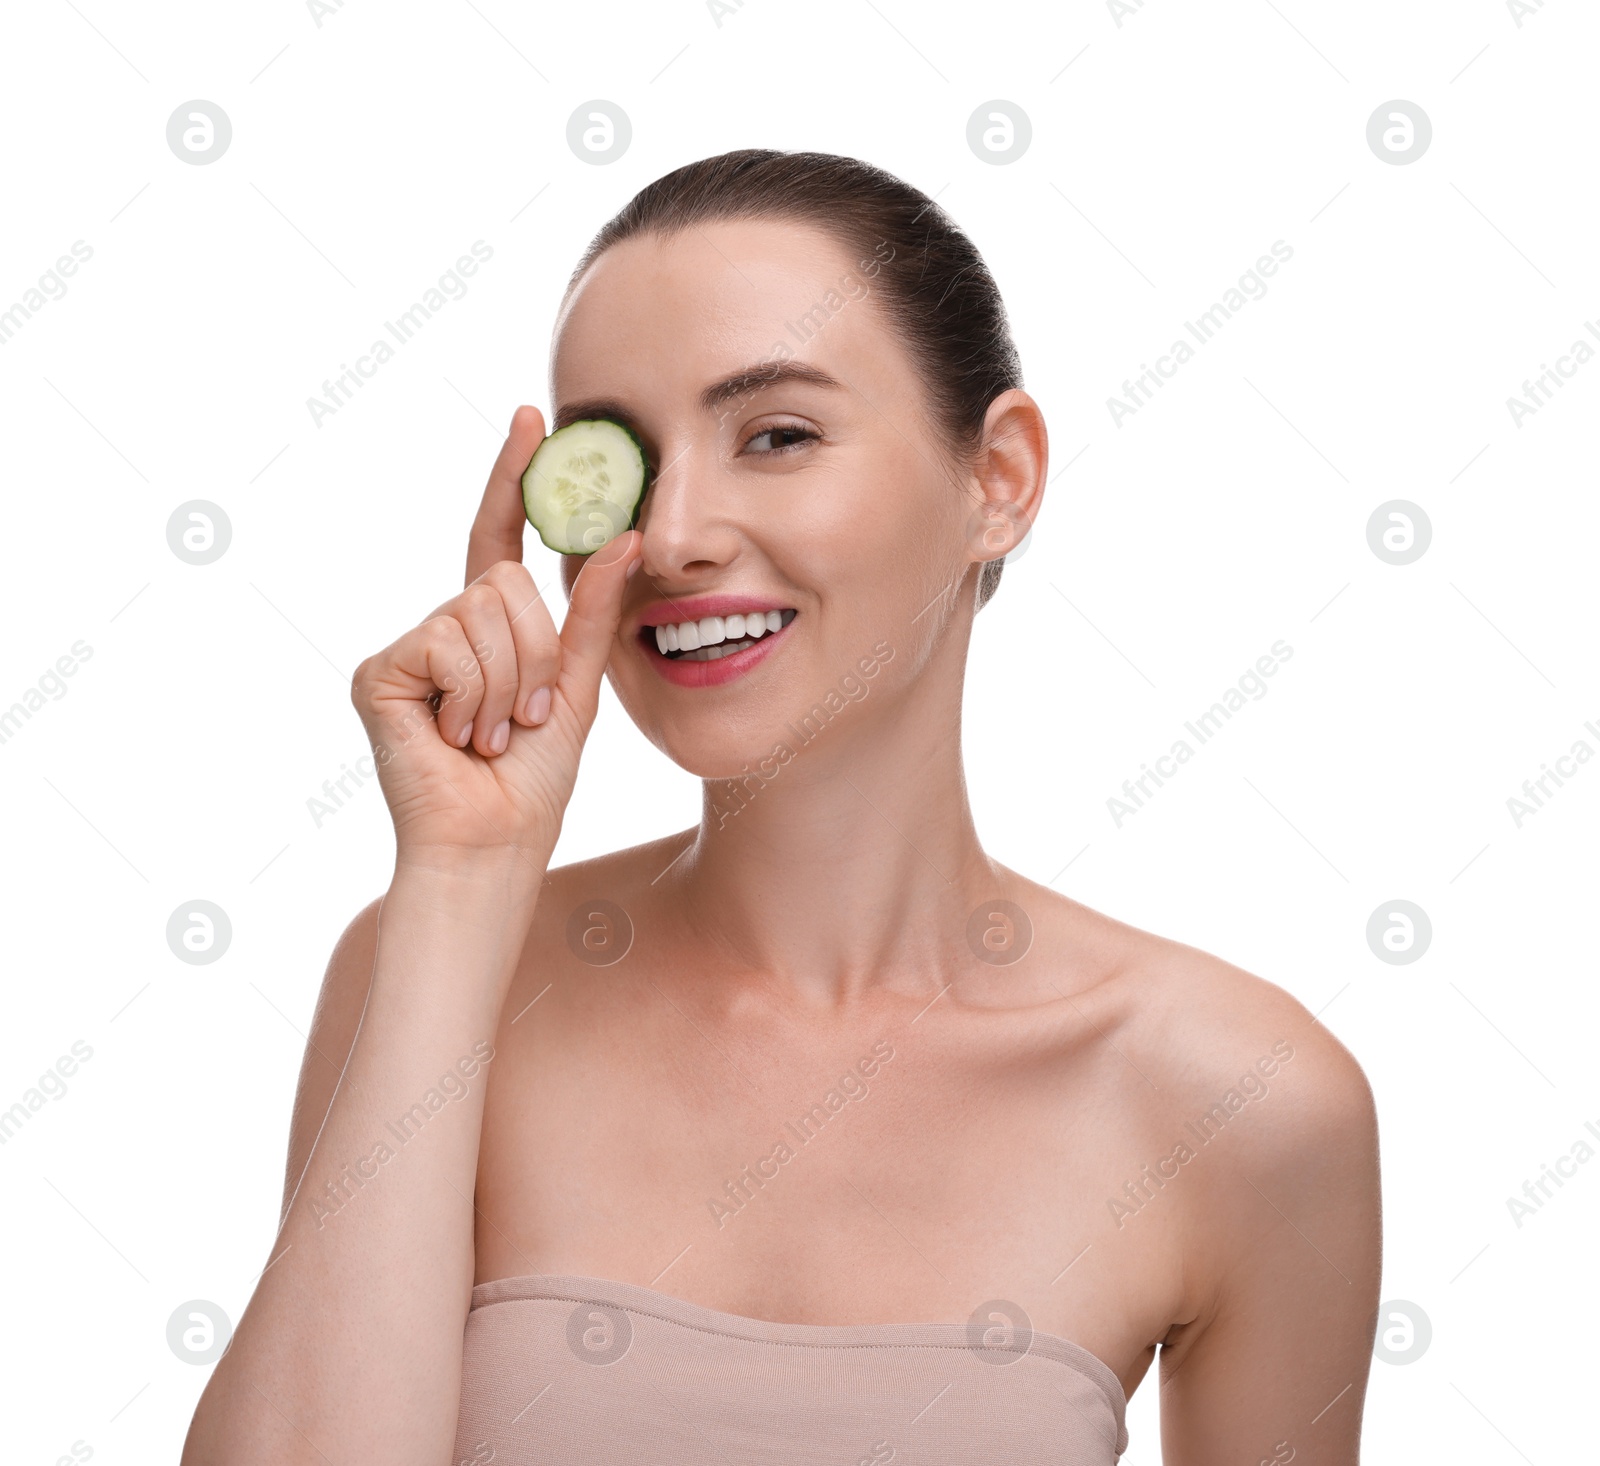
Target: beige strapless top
[{"x": 560, "y": 1370}]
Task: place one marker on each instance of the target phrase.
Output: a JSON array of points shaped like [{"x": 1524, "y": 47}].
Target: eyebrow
[{"x": 743, "y": 383}]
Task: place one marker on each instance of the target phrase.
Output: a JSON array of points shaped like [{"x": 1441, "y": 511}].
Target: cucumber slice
[{"x": 584, "y": 485}]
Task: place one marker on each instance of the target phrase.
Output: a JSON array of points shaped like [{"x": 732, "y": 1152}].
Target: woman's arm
[
  {"x": 1275, "y": 1367},
  {"x": 351, "y": 1345},
  {"x": 350, "y": 1349},
  {"x": 345, "y": 985}
]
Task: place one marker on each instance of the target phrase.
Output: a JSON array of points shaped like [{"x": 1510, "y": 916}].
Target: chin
[{"x": 719, "y": 752}]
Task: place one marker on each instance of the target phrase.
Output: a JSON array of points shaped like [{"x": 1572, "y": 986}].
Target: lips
[
  {"x": 692, "y": 608},
  {"x": 707, "y": 641}
]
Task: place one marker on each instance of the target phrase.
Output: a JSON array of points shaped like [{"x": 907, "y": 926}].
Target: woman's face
[{"x": 819, "y": 492}]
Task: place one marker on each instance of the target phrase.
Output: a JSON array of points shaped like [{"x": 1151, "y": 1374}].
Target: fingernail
[
  {"x": 464, "y": 737},
  {"x": 500, "y": 737},
  {"x": 538, "y": 705},
  {"x": 638, "y": 561}
]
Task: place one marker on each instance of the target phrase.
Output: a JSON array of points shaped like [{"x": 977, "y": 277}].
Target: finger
[
  {"x": 483, "y": 617},
  {"x": 593, "y": 612},
  {"x": 432, "y": 663},
  {"x": 537, "y": 646},
  {"x": 497, "y": 529}
]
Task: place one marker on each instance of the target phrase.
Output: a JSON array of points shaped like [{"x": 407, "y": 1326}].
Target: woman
[{"x": 811, "y": 1132}]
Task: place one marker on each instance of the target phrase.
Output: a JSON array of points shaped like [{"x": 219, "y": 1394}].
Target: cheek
[{"x": 869, "y": 526}]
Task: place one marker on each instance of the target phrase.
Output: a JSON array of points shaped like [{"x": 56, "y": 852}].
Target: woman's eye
[{"x": 781, "y": 438}]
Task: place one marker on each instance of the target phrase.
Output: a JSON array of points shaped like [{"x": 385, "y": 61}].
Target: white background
[{"x": 1168, "y": 153}]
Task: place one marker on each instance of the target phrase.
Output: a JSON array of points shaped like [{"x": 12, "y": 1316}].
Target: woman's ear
[{"x": 1009, "y": 474}]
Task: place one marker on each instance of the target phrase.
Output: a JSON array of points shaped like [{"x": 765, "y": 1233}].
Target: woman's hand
[{"x": 494, "y": 767}]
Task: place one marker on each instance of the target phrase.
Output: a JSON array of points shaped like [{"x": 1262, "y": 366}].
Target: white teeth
[
  {"x": 712, "y": 637},
  {"x": 717, "y": 652}
]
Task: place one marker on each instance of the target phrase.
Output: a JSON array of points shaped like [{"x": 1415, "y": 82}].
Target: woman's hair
[{"x": 935, "y": 287}]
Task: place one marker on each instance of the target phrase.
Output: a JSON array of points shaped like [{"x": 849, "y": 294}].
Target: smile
[
  {"x": 713, "y": 637},
  {"x": 712, "y": 650}
]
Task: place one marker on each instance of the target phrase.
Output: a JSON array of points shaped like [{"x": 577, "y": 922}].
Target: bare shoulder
[
  {"x": 1207, "y": 1026},
  {"x": 1303, "y": 1087},
  {"x": 1258, "y": 1124},
  {"x": 619, "y": 874},
  {"x": 1253, "y": 1134},
  {"x": 1240, "y": 1074},
  {"x": 603, "y": 894},
  {"x": 1210, "y": 1011}
]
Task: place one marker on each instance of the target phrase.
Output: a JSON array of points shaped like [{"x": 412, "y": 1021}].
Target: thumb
[
  {"x": 497, "y": 530},
  {"x": 594, "y": 610}
]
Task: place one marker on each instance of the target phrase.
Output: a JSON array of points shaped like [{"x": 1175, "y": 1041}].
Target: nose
[{"x": 685, "y": 518}]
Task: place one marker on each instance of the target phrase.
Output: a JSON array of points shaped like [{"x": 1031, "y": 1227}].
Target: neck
[{"x": 848, "y": 862}]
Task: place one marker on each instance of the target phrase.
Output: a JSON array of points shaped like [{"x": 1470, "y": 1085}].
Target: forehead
[{"x": 708, "y": 299}]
